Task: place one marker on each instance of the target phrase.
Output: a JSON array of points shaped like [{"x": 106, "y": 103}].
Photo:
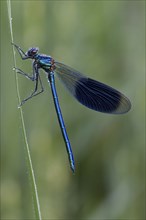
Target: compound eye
[{"x": 32, "y": 51}]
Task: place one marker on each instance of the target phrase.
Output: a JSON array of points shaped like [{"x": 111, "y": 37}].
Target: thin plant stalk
[{"x": 28, "y": 156}]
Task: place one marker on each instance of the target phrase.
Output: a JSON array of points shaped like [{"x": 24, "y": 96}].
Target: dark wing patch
[
  {"x": 91, "y": 93},
  {"x": 100, "y": 97}
]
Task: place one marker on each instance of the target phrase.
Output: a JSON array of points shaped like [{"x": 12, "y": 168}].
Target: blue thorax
[{"x": 44, "y": 60}]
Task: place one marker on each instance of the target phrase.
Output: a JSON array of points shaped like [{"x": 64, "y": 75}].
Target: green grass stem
[{"x": 28, "y": 156}]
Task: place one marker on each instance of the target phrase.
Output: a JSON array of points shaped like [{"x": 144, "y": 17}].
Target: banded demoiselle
[{"x": 91, "y": 93}]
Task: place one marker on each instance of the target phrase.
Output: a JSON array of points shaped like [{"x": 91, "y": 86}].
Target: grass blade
[{"x": 28, "y": 156}]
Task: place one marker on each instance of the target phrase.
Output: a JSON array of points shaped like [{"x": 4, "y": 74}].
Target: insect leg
[
  {"x": 34, "y": 93},
  {"x": 25, "y": 74},
  {"x": 21, "y": 52}
]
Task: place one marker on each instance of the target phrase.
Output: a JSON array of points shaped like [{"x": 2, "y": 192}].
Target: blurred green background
[{"x": 104, "y": 40}]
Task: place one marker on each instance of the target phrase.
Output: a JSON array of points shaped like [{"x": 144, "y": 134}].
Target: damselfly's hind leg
[
  {"x": 35, "y": 77},
  {"x": 34, "y": 93}
]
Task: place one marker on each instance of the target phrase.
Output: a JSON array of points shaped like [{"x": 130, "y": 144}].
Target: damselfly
[{"x": 93, "y": 94}]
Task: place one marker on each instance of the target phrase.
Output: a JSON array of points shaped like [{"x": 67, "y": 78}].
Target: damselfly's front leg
[{"x": 21, "y": 52}]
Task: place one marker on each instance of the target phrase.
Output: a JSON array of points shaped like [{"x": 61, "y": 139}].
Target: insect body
[{"x": 91, "y": 93}]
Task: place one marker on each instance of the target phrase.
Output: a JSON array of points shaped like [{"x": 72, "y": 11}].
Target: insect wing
[{"x": 91, "y": 93}]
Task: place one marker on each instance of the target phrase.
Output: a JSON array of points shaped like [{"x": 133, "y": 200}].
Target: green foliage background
[{"x": 106, "y": 41}]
